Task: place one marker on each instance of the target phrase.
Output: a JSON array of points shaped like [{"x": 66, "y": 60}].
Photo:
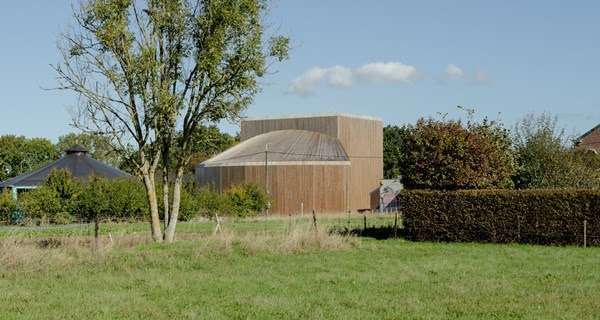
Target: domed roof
[{"x": 284, "y": 147}]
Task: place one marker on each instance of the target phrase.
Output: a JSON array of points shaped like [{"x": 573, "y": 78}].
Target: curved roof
[
  {"x": 75, "y": 161},
  {"x": 285, "y": 147}
]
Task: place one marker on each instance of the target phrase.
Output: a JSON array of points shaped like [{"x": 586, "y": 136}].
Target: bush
[
  {"x": 121, "y": 199},
  {"x": 240, "y": 201},
  {"x": 502, "y": 216},
  {"x": 546, "y": 157},
  {"x": 7, "y": 207},
  {"x": 449, "y": 154},
  {"x": 44, "y": 205},
  {"x": 245, "y": 200},
  {"x": 61, "y": 199}
]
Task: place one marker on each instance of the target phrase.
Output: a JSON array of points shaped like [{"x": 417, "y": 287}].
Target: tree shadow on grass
[{"x": 376, "y": 232}]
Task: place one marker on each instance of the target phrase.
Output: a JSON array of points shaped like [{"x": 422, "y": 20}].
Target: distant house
[
  {"x": 590, "y": 140},
  {"x": 386, "y": 197}
]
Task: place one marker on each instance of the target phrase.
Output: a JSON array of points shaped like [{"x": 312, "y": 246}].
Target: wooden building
[{"x": 327, "y": 162}]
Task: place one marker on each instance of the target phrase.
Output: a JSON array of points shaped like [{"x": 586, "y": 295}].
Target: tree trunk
[
  {"x": 150, "y": 186},
  {"x": 166, "y": 204},
  {"x": 96, "y": 234},
  {"x": 170, "y": 231}
]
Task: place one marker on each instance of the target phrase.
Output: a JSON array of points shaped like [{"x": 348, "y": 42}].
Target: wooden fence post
[
  {"x": 96, "y": 234},
  {"x": 364, "y": 222},
  {"x": 584, "y": 233},
  {"x": 396, "y": 224}
]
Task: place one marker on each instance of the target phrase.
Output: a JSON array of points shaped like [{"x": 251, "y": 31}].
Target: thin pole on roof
[{"x": 267, "y": 174}]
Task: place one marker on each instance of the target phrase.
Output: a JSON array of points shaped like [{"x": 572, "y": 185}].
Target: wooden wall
[
  {"x": 322, "y": 187},
  {"x": 362, "y": 138},
  {"x": 326, "y": 125},
  {"x": 363, "y": 141}
]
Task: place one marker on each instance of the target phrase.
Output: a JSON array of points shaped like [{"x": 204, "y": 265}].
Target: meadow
[{"x": 283, "y": 269}]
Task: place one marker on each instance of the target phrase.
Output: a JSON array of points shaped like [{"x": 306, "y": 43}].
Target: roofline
[
  {"x": 275, "y": 163},
  {"x": 314, "y": 115},
  {"x": 587, "y": 133}
]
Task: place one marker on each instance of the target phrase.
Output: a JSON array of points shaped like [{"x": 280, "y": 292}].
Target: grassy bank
[{"x": 243, "y": 273}]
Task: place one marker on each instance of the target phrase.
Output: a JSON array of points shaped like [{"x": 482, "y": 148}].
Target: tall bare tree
[{"x": 150, "y": 73}]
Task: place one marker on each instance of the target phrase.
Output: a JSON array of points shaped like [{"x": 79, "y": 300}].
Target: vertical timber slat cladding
[
  {"x": 361, "y": 137},
  {"x": 330, "y": 163},
  {"x": 363, "y": 142},
  {"x": 288, "y": 186},
  {"x": 322, "y": 124}
]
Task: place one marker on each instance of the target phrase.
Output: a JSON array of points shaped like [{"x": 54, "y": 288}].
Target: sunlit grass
[{"x": 283, "y": 269}]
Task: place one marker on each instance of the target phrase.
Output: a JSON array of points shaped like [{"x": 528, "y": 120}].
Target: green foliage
[
  {"x": 245, "y": 200},
  {"x": 53, "y": 201},
  {"x": 19, "y": 155},
  {"x": 102, "y": 199},
  {"x": 8, "y": 206},
  {"x": 44, "y": 205},
  {"x": 61, "y": 199},
  {"x": 206, "y": 142},
  {"x": 448, "y": 154},
  {"x": 99, "y": 147},
  {"x": 547, "y": 159},
  {"x": 502, "y": 216},
  {"x": 239, "y": 201},
  {"x": 394, "y": 150}
]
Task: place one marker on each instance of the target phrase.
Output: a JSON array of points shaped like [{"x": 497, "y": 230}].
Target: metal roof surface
[
  {"x": 284, "y": 147},
  {"x": 78, "y": 163}
]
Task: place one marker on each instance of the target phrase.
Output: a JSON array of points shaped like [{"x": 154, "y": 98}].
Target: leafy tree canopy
[{"x": 19, "y": 155}]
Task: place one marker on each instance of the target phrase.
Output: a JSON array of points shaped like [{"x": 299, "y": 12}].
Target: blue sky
[{"x": 393, "y": 59}]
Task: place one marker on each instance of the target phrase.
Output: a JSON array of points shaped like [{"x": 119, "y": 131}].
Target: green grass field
[{"x": 363, "y": 279}]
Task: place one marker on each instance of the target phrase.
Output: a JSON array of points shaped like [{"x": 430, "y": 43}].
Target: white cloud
[
  {"x": 339, "y": 76},
  {"x": 307, "y": 82},
  {"x": 452, "y": 71},
  {"x": 343, "y": 77},
  {"x": 387, "y": 71}
]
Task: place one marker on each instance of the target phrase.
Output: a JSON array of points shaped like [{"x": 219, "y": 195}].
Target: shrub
[
  {"x": 44, "y": 205},
  {"x": 61, "y": 199},
  {"x": 245, "y": 200},
  {"x": 53, "y": 202},
  {"x": 449, "y": 154},
  {"x": 121, "y": 199},
  {"x": 7, "y": 207},
  {"x": 546, "y": 157},
  {"x": 502, "y": 216}
]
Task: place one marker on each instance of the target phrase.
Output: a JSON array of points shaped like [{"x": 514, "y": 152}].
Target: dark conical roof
[
  {"x": 76, "y": 149},
  {"x": 76, "y": 161}
]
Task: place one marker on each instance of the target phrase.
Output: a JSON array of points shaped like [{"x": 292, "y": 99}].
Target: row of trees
[{"x": 451, "y": 154}]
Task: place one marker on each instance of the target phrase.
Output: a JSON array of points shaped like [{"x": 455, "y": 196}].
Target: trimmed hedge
[{"x": 502, "y": 216}]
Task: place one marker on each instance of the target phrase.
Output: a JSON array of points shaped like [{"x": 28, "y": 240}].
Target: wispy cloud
[
  {"x": 453, "y": 71},
  {"x": 387, "y": 72},
  {"x": 344, "y": 77},
  {"x": 480, "y": 77}
]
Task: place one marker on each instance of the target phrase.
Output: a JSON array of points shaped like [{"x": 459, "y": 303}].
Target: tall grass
[
  {"x": 296, "y": 239},
  {"x": 24, "y": 254}
]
